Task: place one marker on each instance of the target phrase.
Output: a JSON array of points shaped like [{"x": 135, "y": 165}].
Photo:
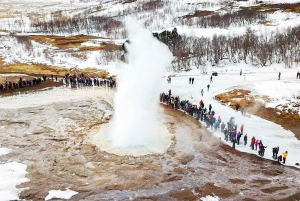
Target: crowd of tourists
[
  {"x": 79, "y": 80},
  {"x": 208, "y": 116},
  {"x": 21, "y": 83}
]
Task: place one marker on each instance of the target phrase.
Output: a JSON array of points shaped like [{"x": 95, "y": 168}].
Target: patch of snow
[
  {"x": 11, "y": 174},
  {"x": 210, "y": 198},
  {"x": 4, "y": 151},
  {"x": 67, "y": 194}
]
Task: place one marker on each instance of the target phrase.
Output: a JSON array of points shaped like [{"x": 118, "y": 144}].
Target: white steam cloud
[{"x": 136, "y": 101}]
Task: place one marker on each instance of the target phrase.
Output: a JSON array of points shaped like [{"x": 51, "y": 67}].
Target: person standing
[
  {"x": 202, "y": 92},
  {"x": 211, "y": 77},
  {"x": 170, "y": 93},
  {"x": 245, "y": 140},
  {"x": 279, "y": 74},
  {"x": 208, "y": 87},
  {"x": 275, "y": 151},
  {"x": 239, "y": 137},
  {"x": 256, "y": 143},
  {"x": 242, "y": 129},
  {"x": 284, "y": 156},
  {"x": 233, "y": 143},
  {"x": 252, "y": 143},
  {"x": 298, "y": 75},
  {"x": 241, "y": 72},
  {"x": 192, "y": 80}
]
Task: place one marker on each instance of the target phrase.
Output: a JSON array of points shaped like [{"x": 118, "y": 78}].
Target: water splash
[{"x": 136, "y": 101}]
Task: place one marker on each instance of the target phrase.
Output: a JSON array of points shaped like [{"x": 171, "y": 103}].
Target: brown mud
[{"x": 59, "y": 155}]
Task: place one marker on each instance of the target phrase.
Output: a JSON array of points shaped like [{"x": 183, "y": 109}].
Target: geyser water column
[{"x": 136, "y": 101}]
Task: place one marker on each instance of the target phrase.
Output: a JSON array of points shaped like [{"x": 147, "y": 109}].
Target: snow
[
  {"x": 67, "y": 194},
  {"x": 210, "y": 198},
  {"x": 11, "y": 174},
  {"x": 262, "y": 81},
  {"x": 4, "y": 151}
]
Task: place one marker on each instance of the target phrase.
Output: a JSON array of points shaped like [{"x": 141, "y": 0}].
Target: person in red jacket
[
  {"x": 279, "y": 159},
  {"x": 242, "y": 128},
  {"x": 252, "y": 142}
]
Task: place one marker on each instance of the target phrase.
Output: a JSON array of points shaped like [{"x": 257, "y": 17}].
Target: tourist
[
  {"x": 242, "y": 129},
  {"x": 202, "y": 92},
  {"x": 209, "y": 108},
  {"x": 279, "y": 159},
  {"x": 219, "y": 119},
  {"x": 211, "y": 77},
  {"x": 256, "y": 143},
  {"x": 222, "y": 126},
  {"x": 261, "y": 149},
  {"x": 233, "y": 143},
  {"x": 279, "y": 74},
  {"x": 284, "y": 155},
  {"x": 252, "y": 143},
  {"x": 190, "y": 79},
  {"x": 275, "y": 151},
  {"x": 208, "y": 87},
  {"x": 245, "y": 140},
  {"x": 239, "y": 137}
]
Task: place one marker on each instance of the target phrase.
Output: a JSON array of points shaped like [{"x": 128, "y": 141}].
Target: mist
[{"x": 137, "y": 98}]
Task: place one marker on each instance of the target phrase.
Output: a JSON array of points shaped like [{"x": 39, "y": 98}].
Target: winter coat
[
  {"x": 216, "y": 124},
  {"x": 285, "y": 154}
]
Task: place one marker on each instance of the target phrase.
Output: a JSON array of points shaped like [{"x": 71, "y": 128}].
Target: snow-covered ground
[{"x": 260, "y": 80}]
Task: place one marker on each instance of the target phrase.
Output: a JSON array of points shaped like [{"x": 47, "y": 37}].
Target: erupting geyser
[
  {"x": 136, "y": 100},
  {"x": 138, "y": 127}
]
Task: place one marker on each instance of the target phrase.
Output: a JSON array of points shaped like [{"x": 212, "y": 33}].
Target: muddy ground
[{"x": 54, "y": 141}]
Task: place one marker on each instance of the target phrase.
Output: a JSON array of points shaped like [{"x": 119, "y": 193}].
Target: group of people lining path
[
  {"x": 80, "y": 80},
  {"x": 22, "y": 83},
  {"x": 76, "y": 80},
  {"x": 208, "y": 116}
]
